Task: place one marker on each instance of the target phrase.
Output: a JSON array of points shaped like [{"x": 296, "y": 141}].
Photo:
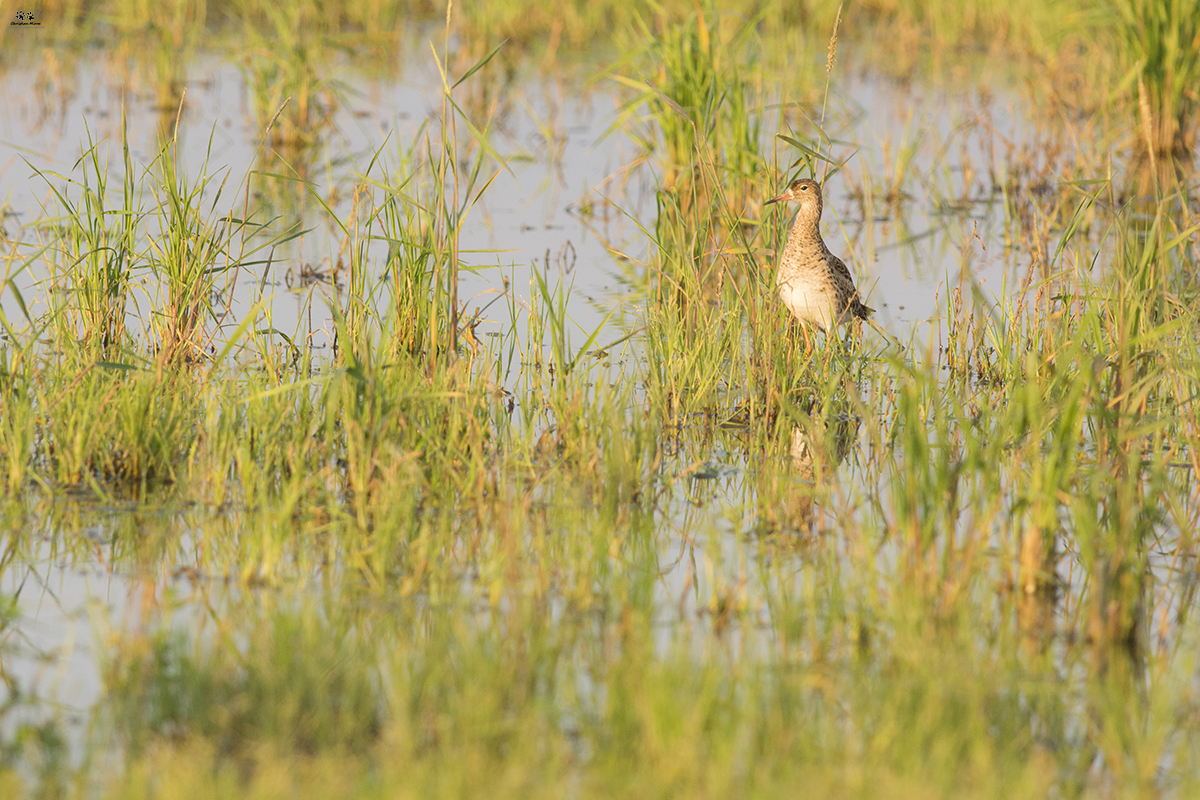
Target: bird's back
[{"x": 849, "y": 299}]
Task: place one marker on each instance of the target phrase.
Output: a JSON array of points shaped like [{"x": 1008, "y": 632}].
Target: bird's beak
[{"x": 776, "y": 199}]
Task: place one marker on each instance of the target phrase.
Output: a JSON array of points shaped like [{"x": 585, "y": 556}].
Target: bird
[{"x": 813, "y": 283}]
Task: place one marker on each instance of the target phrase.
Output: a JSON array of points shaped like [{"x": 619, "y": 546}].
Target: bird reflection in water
[{"x": 788, "y": 493}]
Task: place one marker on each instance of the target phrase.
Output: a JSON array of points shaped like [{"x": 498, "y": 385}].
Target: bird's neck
[{"x": 806, "y": 233}]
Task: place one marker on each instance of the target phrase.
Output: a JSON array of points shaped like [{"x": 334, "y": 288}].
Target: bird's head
[
  {"x": 804, "y": 191},
  {"x": 807, "y": 193}
]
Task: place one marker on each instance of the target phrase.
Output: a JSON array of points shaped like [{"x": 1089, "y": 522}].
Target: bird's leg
[{"x": 807, "y": 340}]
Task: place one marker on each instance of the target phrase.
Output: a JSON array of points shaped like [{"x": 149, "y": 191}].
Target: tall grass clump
[
  {"x": 95, "y": 247},
  {"x": 1091, "y": 391},
  {"x": 287, "y": 63},
  {"x": 700, "y": 93},
  {"x": 696, "y": 91},
  {"x": 1159, "y": 46},
  {"x": 417, "y": 224},
  {"x": 195, "y": 254},
  {"x": 171, "y": 31}
]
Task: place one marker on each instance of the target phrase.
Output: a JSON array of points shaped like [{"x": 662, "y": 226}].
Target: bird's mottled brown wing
[
  {"x": 840, "y": 274},
  {"x": 847, "y": 292}
]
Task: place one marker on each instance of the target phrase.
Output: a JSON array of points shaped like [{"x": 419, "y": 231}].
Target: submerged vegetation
[{"x": 495, "y": 553}]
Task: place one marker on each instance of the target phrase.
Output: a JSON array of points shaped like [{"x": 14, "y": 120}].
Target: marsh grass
[
  {"x": 698, "y": 96},
  {"x": 426, "y": 582},
  {"x": 1160, "y": 47},
  {"x": 159, "y": 229},
  {"x": 170, "y": 30},
  {"x": 288, "y": 60},
  {"x": 190, "y": 257},
  {"x": 715, "y": 565},
  {"x": 95, "y": 249}
]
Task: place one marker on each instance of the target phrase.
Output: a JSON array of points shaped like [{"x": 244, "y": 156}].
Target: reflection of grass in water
[{"x": 409, "y": 580}]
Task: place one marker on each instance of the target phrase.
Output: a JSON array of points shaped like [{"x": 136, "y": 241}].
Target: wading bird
[{"x": 814, "y": 283}]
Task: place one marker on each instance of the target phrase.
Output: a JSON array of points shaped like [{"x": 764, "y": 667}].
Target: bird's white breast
[{"x": 807, "y": 301}]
